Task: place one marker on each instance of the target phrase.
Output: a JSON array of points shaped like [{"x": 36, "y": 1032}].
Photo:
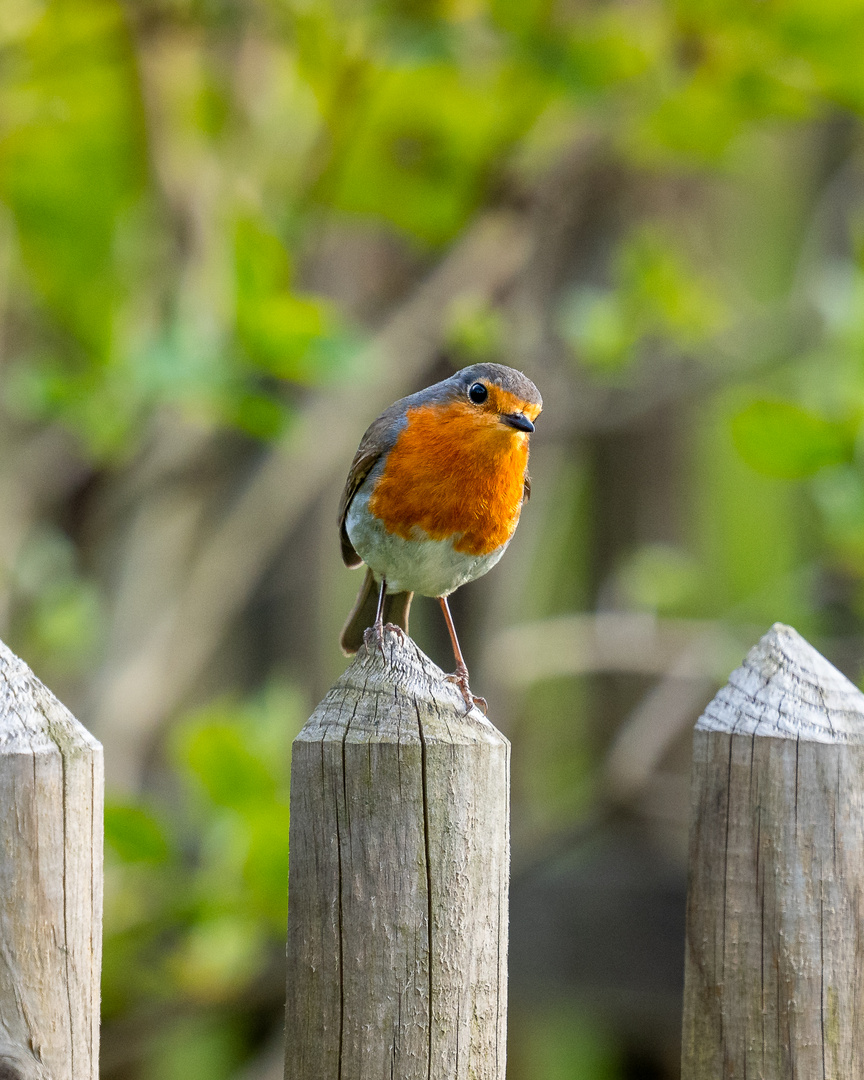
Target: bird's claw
[
  {"x": 460, "y": 678},
  {"x": 373, "y": 636},
  {"x": 398, "y": 631}
]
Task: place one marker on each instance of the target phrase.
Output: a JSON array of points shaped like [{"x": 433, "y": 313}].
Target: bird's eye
[{"x": 478, "y": 393}]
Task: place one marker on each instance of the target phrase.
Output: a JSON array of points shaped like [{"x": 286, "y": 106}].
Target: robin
[{"x": 434, "y": 495}]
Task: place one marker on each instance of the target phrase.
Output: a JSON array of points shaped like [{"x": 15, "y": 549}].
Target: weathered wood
[
  {"x": 774, "y": 979},
  {"x": 50, "y": 884},
  {"x": 399, "y": 863}
]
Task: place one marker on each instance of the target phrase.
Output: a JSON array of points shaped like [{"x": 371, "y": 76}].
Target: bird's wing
[
  {"x": 361, "y": 466},
  {"x": 379, "y": 437}
]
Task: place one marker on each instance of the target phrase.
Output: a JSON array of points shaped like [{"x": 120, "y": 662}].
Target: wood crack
[{"x": 424, "y": 773}]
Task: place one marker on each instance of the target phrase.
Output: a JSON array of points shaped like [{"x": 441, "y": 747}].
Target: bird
[{"x": 433, "y": 498}]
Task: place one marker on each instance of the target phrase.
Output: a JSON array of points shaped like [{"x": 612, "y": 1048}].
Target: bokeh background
[{"x": 231, "y": 231}]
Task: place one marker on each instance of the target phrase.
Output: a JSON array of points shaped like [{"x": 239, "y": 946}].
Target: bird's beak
[{"x": 518, "y": 420}]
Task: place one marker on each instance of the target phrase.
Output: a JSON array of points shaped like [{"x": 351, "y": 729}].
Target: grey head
[
  {"x": 382, "y": 433},
  {"x": 459, "y": 386},
  {"x": 509, "y": 379}
]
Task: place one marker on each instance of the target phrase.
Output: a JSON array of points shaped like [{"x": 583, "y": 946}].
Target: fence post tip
[{"x": 786, "y": 689}]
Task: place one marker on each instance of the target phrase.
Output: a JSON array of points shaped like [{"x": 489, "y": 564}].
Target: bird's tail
[{"x": 396, "y": 608}]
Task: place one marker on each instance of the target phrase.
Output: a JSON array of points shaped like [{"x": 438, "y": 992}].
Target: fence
[
  {"x": 397, "y": 933},
  {"x": 50, "y": 884},
  {"x": 774, "y": 982}
]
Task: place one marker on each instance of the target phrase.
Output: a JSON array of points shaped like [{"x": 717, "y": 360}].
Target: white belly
[{"x": 422, "y": 565}]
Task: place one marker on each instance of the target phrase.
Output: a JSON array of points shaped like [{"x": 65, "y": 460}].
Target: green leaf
[
  {"x": 64, "y": 626},
  {"x": 232, "y": 775},
  {"x": 421, "y": 148},
  {"x": 266, "y": 866},
  {"x": 280, "y": 330},
  {"x": 258, "y": 415},
  {"x": 663, "y": 293},
  {"x": 134, "y": 834},
  {"x": 219, "y": 956},
  {"x": 72, "y": 156},
  {"x": 193, "y": 1046},
  {"x": 784, "y": 440}
]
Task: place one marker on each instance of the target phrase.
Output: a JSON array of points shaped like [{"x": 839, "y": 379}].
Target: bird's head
[{"x": 498, "y": 395}]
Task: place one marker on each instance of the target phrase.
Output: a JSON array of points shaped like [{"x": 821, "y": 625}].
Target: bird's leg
[
  {"x": 376, "y": 631},
  {"x": 460, "y": 676}
]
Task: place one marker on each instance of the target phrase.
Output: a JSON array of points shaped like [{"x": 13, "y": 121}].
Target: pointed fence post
[
  {"x": 399, "y": 863},
  {"x": 50, "y": 884},
  {"x": 774, "y": 976}
]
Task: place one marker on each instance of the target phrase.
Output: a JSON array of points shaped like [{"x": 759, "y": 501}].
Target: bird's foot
[
  {"x": 373, "y": 636},
  {"x": 398, "y": 631},
  {"x": 460, "y": 678}
]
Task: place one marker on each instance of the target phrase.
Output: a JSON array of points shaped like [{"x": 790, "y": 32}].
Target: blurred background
[{"x": 231, "y": 232}]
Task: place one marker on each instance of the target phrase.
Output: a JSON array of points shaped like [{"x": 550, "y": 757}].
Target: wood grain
[
  {"x": 399, "y": 869},
  {"x": 774, "y": 976},
  {"x": 51, "y": 791}
]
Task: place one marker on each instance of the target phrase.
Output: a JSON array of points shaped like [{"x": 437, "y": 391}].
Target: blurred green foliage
[
  {"x": 169, "y": 170},
  {"x": 568, "y": 1044},
  {"x": 661, "y": 579},
  {"x": 782, "y": 439},
  {"x": 62, "y": 628},
  {"x": 71, "y": 155},
  {"x": 654, "y": 297},
  {"x": 196, "y": 883},
  {"x": 405, "y": 114}
]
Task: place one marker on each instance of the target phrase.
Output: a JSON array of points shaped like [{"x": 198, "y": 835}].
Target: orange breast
[{"x": 454, "y": 470}]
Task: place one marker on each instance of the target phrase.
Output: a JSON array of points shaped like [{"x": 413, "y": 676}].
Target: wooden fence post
[
  {"x": 774, "y": 976},
  {"x": 399, "y": 863},
  {"x": 50, "y": 884}
]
